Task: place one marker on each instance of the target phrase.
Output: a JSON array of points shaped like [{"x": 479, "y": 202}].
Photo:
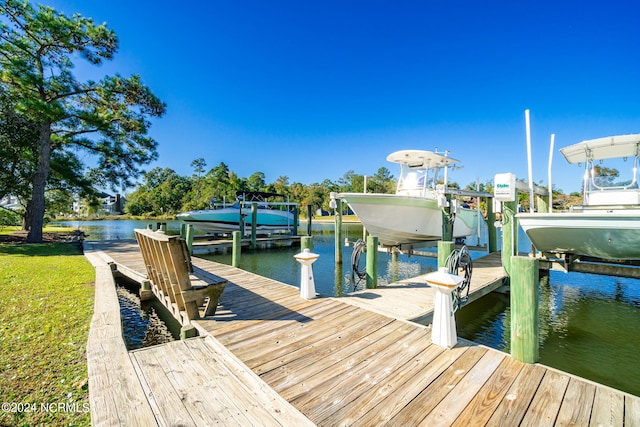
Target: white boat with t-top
[
  {"x": 272, "y": 216},
  {"x": 414, "y": 214},
  {"x": 607, "y": 225}
]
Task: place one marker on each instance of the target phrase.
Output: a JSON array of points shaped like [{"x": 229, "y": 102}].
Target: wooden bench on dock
[{"x": 170, "y": 270}]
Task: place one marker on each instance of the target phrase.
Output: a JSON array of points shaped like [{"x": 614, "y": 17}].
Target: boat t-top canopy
[
  {"x": 609, "y": 147},
  {"x": 420, "y": 158}
]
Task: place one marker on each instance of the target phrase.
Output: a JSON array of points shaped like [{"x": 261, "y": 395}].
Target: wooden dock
[
  {"x": 412, "y": 299},
  {"x": 341, "y": 364}
]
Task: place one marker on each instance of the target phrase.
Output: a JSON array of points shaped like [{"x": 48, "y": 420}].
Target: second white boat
[{"x": 413, "y": 214}]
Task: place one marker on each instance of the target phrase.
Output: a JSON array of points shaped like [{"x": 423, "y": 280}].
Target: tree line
[{"x": 164, "y": 192}]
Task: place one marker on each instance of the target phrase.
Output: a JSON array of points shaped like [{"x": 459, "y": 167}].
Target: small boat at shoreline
[
  {"x": 272, "y": 216},
  {"x": 414, "y": 214},
  {"x": 607, "y": 225}
]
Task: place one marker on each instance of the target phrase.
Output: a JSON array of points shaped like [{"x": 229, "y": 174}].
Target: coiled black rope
[
  {"x": 459, "y": 262},
  {"x": 357, "y": 274}
]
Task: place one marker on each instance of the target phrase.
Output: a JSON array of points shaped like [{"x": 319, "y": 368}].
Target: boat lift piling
[
  {"x": 237, "y": 248},
  {"x": 306, "y": 242},
  {"x": 372, "y": 262},
  {"x": 309, "y": 219},
  {"x": 522, "y": 271},
  {"x": 336, "y": 204},
  {"x": 254, "y": 223},
  {"x": 187, "y": 233}
]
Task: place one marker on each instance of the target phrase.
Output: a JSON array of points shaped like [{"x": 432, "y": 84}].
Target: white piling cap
[
  {"x": 306, "y": 255},
  {"x": 442, "y": 277}
]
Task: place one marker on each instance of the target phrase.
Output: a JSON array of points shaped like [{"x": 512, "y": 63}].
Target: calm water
[
  {"x": 589, "y": 324},
  {"x": 145, "y": 323}
]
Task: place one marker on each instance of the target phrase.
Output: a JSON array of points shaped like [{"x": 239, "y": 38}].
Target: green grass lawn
[{"x": 46, "y": 304}]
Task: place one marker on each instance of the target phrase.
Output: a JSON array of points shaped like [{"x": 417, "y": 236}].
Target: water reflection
[{"x": 144, "y": 323}]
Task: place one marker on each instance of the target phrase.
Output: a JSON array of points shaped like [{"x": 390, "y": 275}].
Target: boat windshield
[
  {"x": 612, "y": 174},
  {"x": 416, "y": 181}
]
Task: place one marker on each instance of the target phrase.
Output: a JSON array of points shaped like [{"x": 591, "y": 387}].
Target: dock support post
[
  {"x": 542, "y": 204},
  {"x": 188, "y": 331},
  {"x": 338, "y": 232},
  {"x": 241, "y": 219},
  {"x": 254, "y": 224},
  {"x": 306, "y": 242},
  {"x": 492, "y": 234},
  {"x": 188, "y": 237},
  {"x": 296, "y": 220},
  {"x": 183, "y": 230},
  {"x": 237, "y": 249},
  {"x": 509, "y": 234},
  {"x": 372, "y": 262},
  {"x": 524, "y": 309},
  {"x": 309, "y": 219},
  {"x": 444, "y": 250},
  {"x": 447, "y": 221}
]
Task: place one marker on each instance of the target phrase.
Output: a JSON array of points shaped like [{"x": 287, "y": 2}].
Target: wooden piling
[
  {"x": 447, "y": 220},
  {"x": 509, "y": 234},
  {"x": 237, "y": 249},
  {"x": 338, "y": 231},
  {"x": 309, "y": 219},
  {"x": 254, "y": 224},
  {"x": 189, "y": 234},
  {"x": 372, "y": 262},
  {"x": 241, "y": 219},
  {"x": 492, "y": 234},
  {"x": 524, "y": 309},
  {"x": 306, "y": 242},
  {"x": 542, "y": 204},
  {"x": 296, "y": 220},
  {"x": 444, "y": 250}
]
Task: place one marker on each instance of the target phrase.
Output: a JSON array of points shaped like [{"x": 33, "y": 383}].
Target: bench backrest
[{"x": 168, "y": 263}]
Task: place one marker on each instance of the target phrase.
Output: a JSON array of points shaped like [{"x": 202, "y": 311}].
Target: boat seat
[{"x": 169, "y": 267}]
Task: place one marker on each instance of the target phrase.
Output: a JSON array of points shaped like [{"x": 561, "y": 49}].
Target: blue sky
[{"x": 310, "y": 90}]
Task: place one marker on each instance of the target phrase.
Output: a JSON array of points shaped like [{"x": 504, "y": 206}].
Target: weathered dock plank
[
  {"x": 487, "y": 399},
  {"x": 340, "y": 364},
  {"x": 198, "y": 382},
  {"x": 516, "y": 402}
]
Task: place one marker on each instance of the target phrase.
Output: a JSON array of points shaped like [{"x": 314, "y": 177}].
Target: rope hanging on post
[{"x": 459, "y": 263}]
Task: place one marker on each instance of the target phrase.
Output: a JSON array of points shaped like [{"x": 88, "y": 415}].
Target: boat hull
[
  {"x": 228, "y": 220},
  {"x": 398, "y": 219},
  {"x": 605, "y": 234}
]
